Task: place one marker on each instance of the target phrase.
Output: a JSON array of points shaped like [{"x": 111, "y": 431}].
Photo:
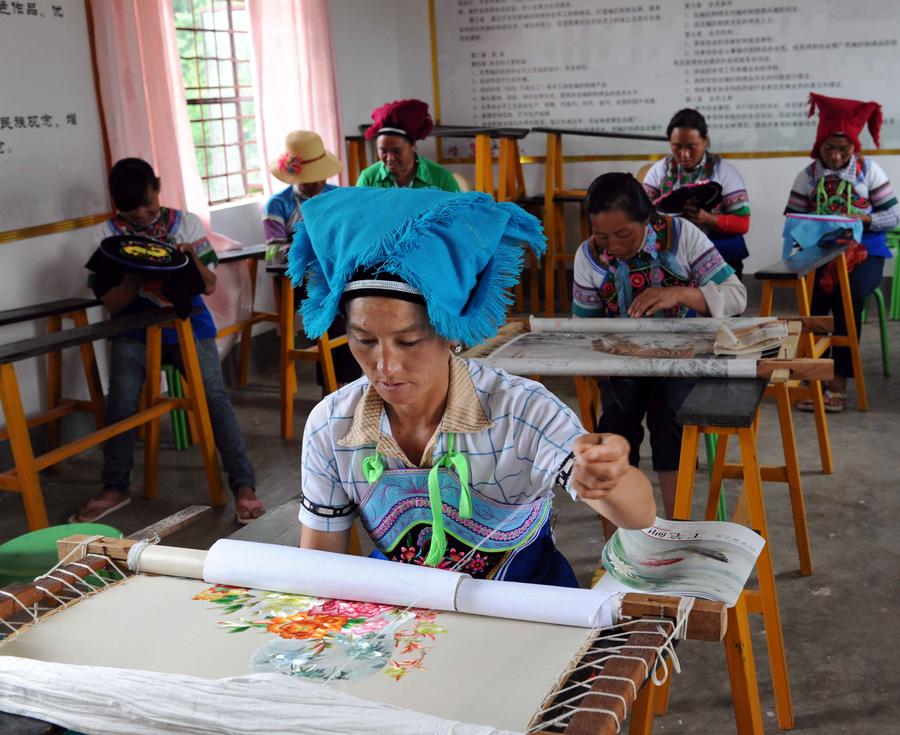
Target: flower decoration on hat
[
  {"x": 290, "y": 164},
  {"x": 844, "y": 117},
  {"x": 305, "y": 159},
  {"x": 409, "y": 118}
]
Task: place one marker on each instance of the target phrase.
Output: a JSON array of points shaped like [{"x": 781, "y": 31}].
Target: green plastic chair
[
  {"x": 882, "y": 324},
  {"x": 893, "y": 242},
  {"x": 180, "y": 429},
  {"x": 32, "y": 554}
]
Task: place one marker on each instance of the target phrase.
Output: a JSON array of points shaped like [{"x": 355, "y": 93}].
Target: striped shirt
[{"x": 515, "y": 434}]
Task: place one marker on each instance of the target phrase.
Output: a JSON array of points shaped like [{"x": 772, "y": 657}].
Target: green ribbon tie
[
  {"x": 457, "y": 461},
  {"x": 372, "y": 468}
]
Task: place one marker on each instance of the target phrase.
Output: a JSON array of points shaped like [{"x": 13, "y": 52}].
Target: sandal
[
  {"x": 833, "y": 402},
  {"x": 246, "y": 517},
  {"x": 97, "y": 508}
]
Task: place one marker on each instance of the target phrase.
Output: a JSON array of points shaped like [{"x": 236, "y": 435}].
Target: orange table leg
[
  {"x": 288, "y": 376},
  {"x": 91, "y": 373},
  {"x": 792, "y": 467},
  {"x": 641, "y": 718},
  {"x": 852, "y": 337},
  {"x": 22, "y": 450},
  {"x": 766, "y": 575},
  {"x": 200, "y": 409},
  {"x": 247, "y": 331},
  {"x": 742, "y": 670},
  {"x": 54, "y": 385},
  {"x": 151, "y": 391}
]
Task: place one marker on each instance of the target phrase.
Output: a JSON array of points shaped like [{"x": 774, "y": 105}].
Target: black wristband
[{"x": 326, "y": 511}]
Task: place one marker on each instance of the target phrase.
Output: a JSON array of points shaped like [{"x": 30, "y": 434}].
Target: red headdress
[
  {"x": 844, "y": 117},
  {"x": 408, "y": 118}
]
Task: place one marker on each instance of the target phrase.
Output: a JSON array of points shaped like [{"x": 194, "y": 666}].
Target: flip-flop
[
  {"x": 246, "y": 520},
  {"x": 833, "y": 402},
  {"x": 76, "y": 516}
]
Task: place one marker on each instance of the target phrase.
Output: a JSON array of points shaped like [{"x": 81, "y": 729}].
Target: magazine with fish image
[{"x": 708, "y": 559}]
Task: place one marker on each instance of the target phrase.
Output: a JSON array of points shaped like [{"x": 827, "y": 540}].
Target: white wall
[
  {"x": 383, "y": 52},
  {"x": 45, "y": 269}
]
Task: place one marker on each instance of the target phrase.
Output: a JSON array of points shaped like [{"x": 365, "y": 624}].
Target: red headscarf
[
  {"x": 409, "y": 118},
  {"x": 844, "y": 117}
]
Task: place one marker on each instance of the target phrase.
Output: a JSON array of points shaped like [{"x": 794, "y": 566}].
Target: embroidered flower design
[
  {"x": 608, "y": 289},
  {"x": 612, "y": 307},
  {"x": 407, "y": 553},
  {"x": 638, "y": 280},
  {"x": 350, "y": 609},
  {"x": 290, "y": 164},
  {"x": 305, "y": 625},
  {"x": 477, "y": 563}
]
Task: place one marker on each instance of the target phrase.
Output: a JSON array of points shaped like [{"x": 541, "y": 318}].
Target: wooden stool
[
  {"x": 798, "y": 273},
  {"x": 320, "y": 352},
  {"x": 729, "y": 407},
  {"x": 252, "y": 254},
  {"x": 23, "y": 478}
]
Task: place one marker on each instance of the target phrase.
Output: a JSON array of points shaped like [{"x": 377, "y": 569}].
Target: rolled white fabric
[
  {"x": 106, "y": 701},
  {"x": 703, "y": 325},
  {"x": 169, "y": 560},
  {"x": 537, "y": 602},
  {"x": 325, "y": 574}
]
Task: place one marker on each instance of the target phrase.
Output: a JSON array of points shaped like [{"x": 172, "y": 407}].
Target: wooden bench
[
  {"x": 555, "y": 195},
  {"x": 251, "y": 254},
  {"x": 289, "y": 354},
  {"x": 798, "y": 273},
  {"x": 24, "y": 479},
  {"x": 57, "y": 406}
]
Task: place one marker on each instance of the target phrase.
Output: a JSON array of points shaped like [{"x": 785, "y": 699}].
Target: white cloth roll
[
  {"x": 170, "y": 560},
  {"x": 703, "y": 325},
  {"x": 104, "y": 701},
  {"x": 324, "y": 574},
  {"x": 537, "y": 602}
]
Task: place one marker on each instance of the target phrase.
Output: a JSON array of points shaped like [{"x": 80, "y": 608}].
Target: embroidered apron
[{"x": 397, "y": 511}]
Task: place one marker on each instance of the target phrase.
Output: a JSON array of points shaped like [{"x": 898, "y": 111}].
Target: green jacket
[{"x": 428, "y": 175}]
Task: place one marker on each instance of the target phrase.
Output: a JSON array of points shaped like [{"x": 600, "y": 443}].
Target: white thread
[
  {"x": 63, "y": 582},
  {"x": 81, "y": 546},
  {"x": 111, "y": 563},
  {"x": 62, "y": 603},
  {"x": 134, "y": 553},
  {"x": 20, "y": 604},
  {"x": 91, "y": 573}
]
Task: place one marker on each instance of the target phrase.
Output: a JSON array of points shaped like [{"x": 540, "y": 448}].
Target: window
[{"x": 214, "y": 45}]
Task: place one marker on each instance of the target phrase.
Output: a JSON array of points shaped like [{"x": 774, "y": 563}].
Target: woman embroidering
[
  {"x": 444, "y": 462},
  {"x": 637, "y": 264},
  {"x": 841, "y": 181},
  {"x": 692, "y": 162}
]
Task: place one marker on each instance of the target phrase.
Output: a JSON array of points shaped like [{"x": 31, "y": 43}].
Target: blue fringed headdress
[{"x": 463, "y": 252}]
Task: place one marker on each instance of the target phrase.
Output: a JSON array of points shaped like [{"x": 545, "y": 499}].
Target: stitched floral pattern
[{"x": 325, "y": 639}]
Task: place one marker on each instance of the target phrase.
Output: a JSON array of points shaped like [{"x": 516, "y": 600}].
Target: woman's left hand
[
  {"x": 699, "y": 216},
  {"x": 600, "y": 462},
  {"x": 651, "y": 300}
]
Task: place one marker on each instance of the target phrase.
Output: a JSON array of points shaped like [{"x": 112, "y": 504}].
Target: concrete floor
[{"x": 841, "y": 638}]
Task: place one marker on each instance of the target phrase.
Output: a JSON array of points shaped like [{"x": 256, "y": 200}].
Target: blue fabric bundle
[
  {"x": 462, "y": 251},
  {"x": 807, "y": 230}
]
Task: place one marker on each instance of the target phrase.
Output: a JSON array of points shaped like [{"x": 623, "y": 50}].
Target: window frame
[{"x": 199, "y": 100}]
